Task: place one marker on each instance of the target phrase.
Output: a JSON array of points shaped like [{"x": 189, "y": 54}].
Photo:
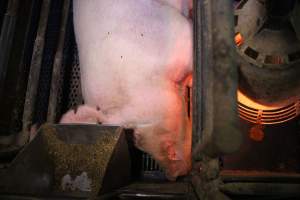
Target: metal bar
[
  {"x": 145, "y": 195},
  {"x": 56, "y": 73},
  {"x": 150, "y": 165},
  {"x": 197, "y": 89},
  {"x": 229, "y": 176},
  {"x": 216, "y": 74},
  {"x": 34, "y": 74},
  {"x": 262, "y": 189},
  {"x": 6, "y": 39},
  {"x": 30, "y": 197},
  {"x": 3, "y": 8},
  {"x": 143, "y": 162},
  {"x": 215, "y": 118}
]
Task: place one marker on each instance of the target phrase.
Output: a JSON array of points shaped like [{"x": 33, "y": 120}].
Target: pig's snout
[
  {"x": 177, "y": 168},
  {"x": 176, "y": 162}
]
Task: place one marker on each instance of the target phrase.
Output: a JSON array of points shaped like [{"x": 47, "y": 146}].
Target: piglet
[{"x": 135, "y": 60}]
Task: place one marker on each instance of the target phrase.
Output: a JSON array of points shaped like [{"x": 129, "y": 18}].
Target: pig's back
[{"x": 124, "y": 44}]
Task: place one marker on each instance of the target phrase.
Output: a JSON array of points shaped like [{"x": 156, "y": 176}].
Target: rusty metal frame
[
  {"x": 215, "y": 118},
  {"x": 215, "y": 79},
  {"x": 215, "y": 121}
]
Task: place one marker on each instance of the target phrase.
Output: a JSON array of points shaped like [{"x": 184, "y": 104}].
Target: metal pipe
[
  {"x": 197, "y": 89},
  {"x": 34, "y": 74},
  {"x": 215, "y": 130},
  {"x": 56, "y": 72},
  {"x": 283, "y": 190}
]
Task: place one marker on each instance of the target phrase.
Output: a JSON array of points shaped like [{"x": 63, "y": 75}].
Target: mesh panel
[
  {"x": 75, "y": 97},
  {"x": 70, "y": 95}
]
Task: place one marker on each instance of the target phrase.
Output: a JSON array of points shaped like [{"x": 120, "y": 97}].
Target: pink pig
[{"x": 135, "y": 60}]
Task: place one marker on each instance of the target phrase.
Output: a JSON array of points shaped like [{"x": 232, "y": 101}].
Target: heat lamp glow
[
  {"x": 239, "y": 40},
  {"x": 256, "y": 113}
]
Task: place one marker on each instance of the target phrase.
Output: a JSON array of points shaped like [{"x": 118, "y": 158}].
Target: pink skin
[{"x": 135, "y": 58}]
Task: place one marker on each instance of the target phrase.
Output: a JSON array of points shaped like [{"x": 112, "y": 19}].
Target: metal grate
[
  {"x": 70, "y": 59},
  {"x": 75, "y": 97},
  {"x": 70, "y": 95},
  {"x": 149, "y": 164}
]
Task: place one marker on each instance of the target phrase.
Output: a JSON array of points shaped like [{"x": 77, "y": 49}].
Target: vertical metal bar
[
  {"x": 216, "y": 73},
  {"x": 152, "y": 162},
  {"x": 197, "y": 89},
  {"x": 147, "y": 162},
  {"x": 34, "y": 73},
  {"x": 57, "y": 65},
  {"x": 3, "y": 8},
  {"x": 214, "y": 94},
  {"x": 149, "y": 166},
  {"x": 143, "y": 162},
  {"x": 6, "y": 39}
]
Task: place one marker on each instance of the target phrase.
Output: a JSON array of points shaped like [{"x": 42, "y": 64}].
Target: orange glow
[
  {"x": 239, "y": 40},
  {"x": 256, "y": 113},
  {"x": 256, "y": 133},
  {"x": 252, "y": 104}
]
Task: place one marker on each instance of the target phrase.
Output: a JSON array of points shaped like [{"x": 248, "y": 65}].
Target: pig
[{"x": 136, "y": 62}]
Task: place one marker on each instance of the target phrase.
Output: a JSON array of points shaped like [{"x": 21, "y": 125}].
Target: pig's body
[{"x": 134, "y": 57}]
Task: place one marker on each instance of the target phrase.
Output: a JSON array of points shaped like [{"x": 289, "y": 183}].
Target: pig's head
[
  {"x": 168, "y": 140},
  {"x": 172, "y": 153},
  {"x": 176, "y": 159}
]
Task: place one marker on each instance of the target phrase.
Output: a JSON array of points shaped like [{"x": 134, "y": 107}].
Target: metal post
[
  {"x": 215, "y": 80},
  {"x": 34, "y": 74},
  {"x": 56, "y": 72},
  {"x": 215, "y": 124}
]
